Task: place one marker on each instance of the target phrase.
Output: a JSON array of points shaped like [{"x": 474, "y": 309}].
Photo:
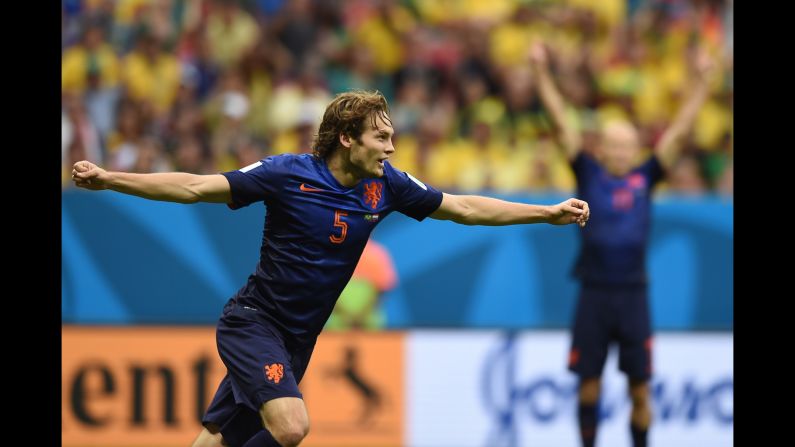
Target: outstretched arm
[
  {"x": 177, "y": 187},
  {"x": 479, "y": 210},
  {"x": 566, "y": 135},
  {"x": 670, "y": 143}
]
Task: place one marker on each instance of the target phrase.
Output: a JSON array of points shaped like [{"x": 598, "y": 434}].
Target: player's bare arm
[
  {"x": 567, "y": 136},
  {"x": 177, "y": 187},
  {"x": 671, "y": 142},
  {"x": 479, "y": 210}
]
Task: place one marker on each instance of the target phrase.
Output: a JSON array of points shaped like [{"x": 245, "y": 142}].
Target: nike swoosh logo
[{"x": 305, "y": 188}]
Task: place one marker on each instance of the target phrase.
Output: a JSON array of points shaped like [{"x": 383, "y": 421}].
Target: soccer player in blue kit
[
  {"x": 321, "y": 208},
  {"x": 611, "y": 267}
]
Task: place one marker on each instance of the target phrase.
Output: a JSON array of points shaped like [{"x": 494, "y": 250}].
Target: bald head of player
[{"x": 619, "y": 147}]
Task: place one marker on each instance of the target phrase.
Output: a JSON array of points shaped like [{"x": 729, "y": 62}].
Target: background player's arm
[
  {"x": 568, "y": 137},
  {"x": 177, "y": 187},
  {"x": 478, "y": 210},
  {"x": 671, "y": 141}
]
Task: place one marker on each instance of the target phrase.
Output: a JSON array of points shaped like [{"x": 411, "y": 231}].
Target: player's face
[
  {"x": 619, "y": 149},
  {"x": 373, "y": 148}
]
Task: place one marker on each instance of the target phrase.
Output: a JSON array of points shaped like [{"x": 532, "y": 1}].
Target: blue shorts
[
  {"x": 260, "y": 365},
  {"x": 612, "y": 313}
]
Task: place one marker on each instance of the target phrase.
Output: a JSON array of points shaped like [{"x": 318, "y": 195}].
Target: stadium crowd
[{"x": 206, "y": 86}]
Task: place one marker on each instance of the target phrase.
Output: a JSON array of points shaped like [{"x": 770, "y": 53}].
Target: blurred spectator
[
  {"x": 130, "y": 128},
  {"x": 717, "y": 161},
  {"x": 230, "y": 33},
  {"x": 91, "y": 64},
  {"x": 185, "y": 119},
  {"x": 296, "y": 29},
  {"x": 382, "y": 33},
  {"x": 149, "y": 157},
  {"x": 190, "y": 156},
  {"x": 151, "y": 74},
  {"x": 549, "y": 169},
  {"x": 233, "y": 105},
  {"x": 249, "y": 152},
  {"x": 298, "y": 139},
  {"x": 71, "y": 13},
  {"x": 686, "y": 177},
  {"x": 79, "y": 135},
  {"x": 198, "y": 69},
  {"x": 359, "y": 71},
  {"x": 91, "y": 69},
  {"x": 511, "y": 40},
  {"x": 412, "y": 101},
  {"x": 726, "y": 181},
  {"x": 359, "y": 304},
  {"x": 301, "y": 99},
  {"x": 259, "y": 70}
]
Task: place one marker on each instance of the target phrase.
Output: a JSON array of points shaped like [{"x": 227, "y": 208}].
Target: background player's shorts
[
  {"x": 607, "y": 313},
  {"x": 259, "y": 368}
]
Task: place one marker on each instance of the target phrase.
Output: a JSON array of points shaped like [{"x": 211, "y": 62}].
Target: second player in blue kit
[{"x": 613, "y": 304}]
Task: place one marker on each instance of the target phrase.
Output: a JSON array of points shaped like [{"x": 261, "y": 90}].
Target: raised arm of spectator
[
  {"x": 568, "y": 137},
  {"x": 670, "y": 143},
  {"x": 177, "y": 187}
]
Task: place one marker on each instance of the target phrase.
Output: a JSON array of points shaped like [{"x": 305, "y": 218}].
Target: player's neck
[{"x": 343, "y": 170}]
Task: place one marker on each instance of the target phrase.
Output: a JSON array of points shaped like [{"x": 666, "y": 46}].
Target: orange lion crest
[
  {"x": 372, "y": 193},
  {"x": 274, "y": 372}
]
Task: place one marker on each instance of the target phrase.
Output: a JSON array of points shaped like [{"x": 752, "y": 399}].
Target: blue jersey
[
  {"x": 615, "y": 239},
  {"x": 315, "y": 232}
]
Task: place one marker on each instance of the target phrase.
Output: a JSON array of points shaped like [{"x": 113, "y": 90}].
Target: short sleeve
[
  {"x": 652, "y": 170},
  {"x": 256, "y": 182},
  {"x": 412, "y": 197},
  {"x": 584, "y": 166}
]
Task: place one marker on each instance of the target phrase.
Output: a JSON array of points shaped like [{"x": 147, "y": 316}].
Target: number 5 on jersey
[{"x": 342, "y": 225}]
